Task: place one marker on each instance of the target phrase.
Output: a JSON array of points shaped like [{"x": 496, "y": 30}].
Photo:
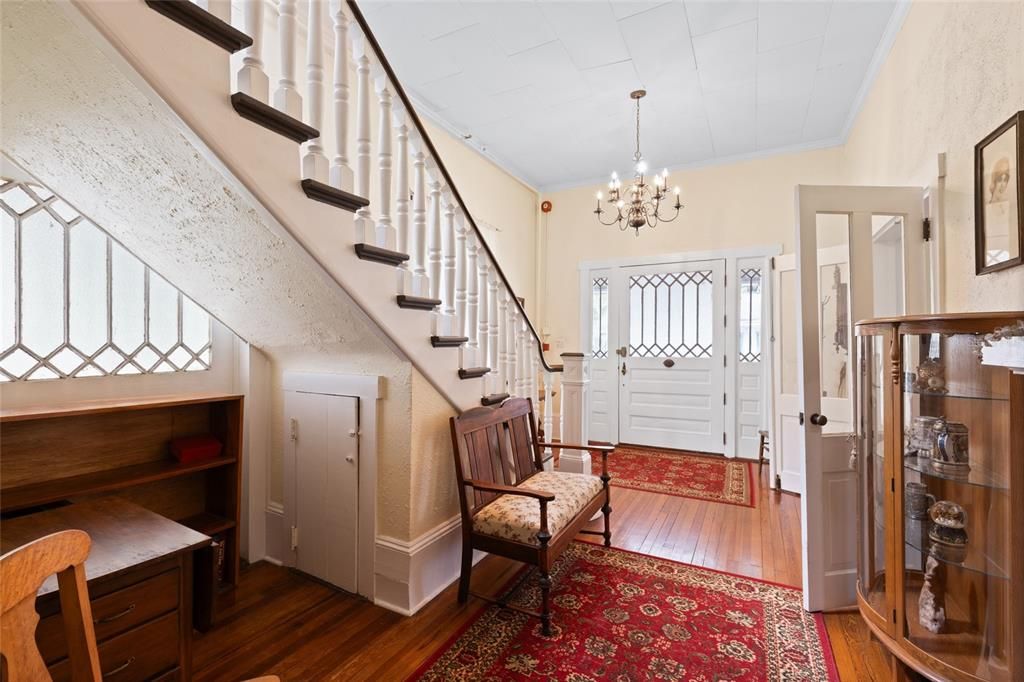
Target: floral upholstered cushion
[{"x": 515, "y": 517}]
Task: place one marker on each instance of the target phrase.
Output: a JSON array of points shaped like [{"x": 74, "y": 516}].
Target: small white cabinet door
[{"x": 322, "y": 435}]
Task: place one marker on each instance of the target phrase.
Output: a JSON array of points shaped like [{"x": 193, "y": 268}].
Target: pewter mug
[
  {"x": 917, "y": 500},
  {"x": 951, "y": 449}
]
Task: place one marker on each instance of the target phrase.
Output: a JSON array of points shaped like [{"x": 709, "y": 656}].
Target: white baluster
[
  {"x": 549, "y": 419},
  {"x": 512, "y": 354},
  {"x": 575, "y": 412},
  {"x": 495, "y": 315},
  {"x": 362, "y": 183},
  {"x": 314, "y": 162},
  {"x": 434, "y": 245},
  {"x": 341, "y": 172},
  {"x": 218, "y": 8},
  {"x": 521, "y": 359},
  {"x": 448, "y": 251},
  {"x": 459, "y": 324},
  {"x": 402, "y": 188},
  {"x": 385, "y": 230},
  {"x": 286, "y": 97},
  {"x": 418, "y": 238},
  {"x": 483, "y": 332},
  {"x": 472, "y": 298},
  {"x": 532, "y": 353},
  {"x": 252, "y": 79}
]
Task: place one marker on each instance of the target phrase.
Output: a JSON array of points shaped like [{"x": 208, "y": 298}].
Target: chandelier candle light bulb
[{"x": 644, "y": 206}]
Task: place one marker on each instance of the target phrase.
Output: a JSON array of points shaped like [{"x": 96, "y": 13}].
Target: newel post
[{"x": 575, "y": 411}]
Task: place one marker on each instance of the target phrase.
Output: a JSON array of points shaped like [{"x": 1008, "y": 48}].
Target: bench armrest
[
  {"x": 570, "y": 446},
  {"x": 510, "y": 490}
]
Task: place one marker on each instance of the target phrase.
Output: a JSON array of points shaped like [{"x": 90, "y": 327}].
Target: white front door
[
  {"x": 834, "y": 264},
  {"x": 323, "y": 504},
  {"x": 671, "y": 371}
]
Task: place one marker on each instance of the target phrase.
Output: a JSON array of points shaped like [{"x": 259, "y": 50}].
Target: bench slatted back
[{"x": 495, "y": 445}]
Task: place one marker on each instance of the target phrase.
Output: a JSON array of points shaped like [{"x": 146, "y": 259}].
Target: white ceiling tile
[
  {"x": 835, "y": 89},
  {"x": 780, "y": 122},
  {"x": 434, "y": 18},
  {"x": 658, "y": 42},
  {"x": 588, "y": 30},
  {"x": 732, "y": 117},
  {"x": 787, "y": 72},
  {"x": 516, "y": 26},
  {"x": 627, "y": 8},
  {"x": 491, "y": 69},
  {"x": 726, "y": 57},
  {"x": 854, "y": 29},
  {"x": 787, "y": 23},
  {"x": 706, "y": 16}
]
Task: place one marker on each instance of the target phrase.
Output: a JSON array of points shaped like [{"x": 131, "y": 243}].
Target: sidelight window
[
  {"x": 599, "y": 318},
  {"x": 750, "y": 315}
]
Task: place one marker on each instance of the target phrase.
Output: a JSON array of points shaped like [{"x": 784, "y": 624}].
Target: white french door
[
  {"x": 671, "y": 373},
  {"x": 836, "y": 256}
]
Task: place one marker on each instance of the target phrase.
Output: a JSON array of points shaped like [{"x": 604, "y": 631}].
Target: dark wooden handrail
[{"x": 407, "y": 103}]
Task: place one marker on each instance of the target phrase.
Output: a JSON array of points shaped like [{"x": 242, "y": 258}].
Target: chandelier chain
[{"x": 636, "y": 156}]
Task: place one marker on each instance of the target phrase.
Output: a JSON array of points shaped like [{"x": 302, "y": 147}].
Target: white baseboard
[
  {"x": 276, "y": 537},
  {"x": 408, "y": 574}
]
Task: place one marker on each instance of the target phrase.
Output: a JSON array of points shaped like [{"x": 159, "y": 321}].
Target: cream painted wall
[
  {"x": 955, "y": 72},
  {"x": 434, "y": 496},
  {"x": 737, "y": 205},
  {"x": 504, "y": 208}
]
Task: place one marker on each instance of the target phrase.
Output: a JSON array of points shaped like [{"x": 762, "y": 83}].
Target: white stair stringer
[{"x": 191, "y": 76}]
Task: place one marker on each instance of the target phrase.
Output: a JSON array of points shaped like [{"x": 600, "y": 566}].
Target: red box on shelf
[{"x": 195, "y": 448}]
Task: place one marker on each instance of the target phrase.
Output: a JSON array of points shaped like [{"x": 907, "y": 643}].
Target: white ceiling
[{"x": 543, "y": 87}]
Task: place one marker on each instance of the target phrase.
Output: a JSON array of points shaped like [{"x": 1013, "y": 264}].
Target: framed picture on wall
[{"x": 999, "y": 197}]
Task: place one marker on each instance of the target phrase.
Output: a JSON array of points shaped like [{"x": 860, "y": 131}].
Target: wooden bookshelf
[{"x": 84, "y": 451}]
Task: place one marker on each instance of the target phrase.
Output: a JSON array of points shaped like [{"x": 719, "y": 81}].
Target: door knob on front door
[{"x": 819, "y": 419}]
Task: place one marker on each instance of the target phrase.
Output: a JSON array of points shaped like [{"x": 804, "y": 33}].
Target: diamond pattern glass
[
  {"x": 670, "y": 315},
  {"x": 75, "y": 303},
  {"x": 750, "y": 315},
  {"x": 599, "y": 317}
]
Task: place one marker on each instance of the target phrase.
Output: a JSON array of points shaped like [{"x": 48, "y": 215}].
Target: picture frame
[{"x": 999, "y": 197}]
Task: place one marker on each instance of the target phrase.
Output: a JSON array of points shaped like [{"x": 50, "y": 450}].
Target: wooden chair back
[
  {"x": 22, "y": 572},
  {"x": 494, "y": 445}
]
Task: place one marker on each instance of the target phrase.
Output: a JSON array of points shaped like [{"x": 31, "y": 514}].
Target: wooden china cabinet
[{"x": 940, "y": 461}]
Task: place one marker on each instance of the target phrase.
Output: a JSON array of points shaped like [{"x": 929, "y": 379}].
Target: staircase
[{"x": 373, "y": 204}]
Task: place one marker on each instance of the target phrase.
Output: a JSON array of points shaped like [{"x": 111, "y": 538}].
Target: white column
[
  {"x": 402, "y": 187},
  {"x": 418, "y": 238},
  {"x": 549, "y": 419},
  {"x": 493, "y": 332},
  {"x": 448, "y": 263},
  {"x": 252, "y": 79},
  {"x": 504, "y": 384},
  {"x": 575, "y": 412},
  {"x": 470, "y": 328},
  {"x": 434, "y": 231},
  {"x": 341, "y": 172},
  {"x": 286, "y": 97},
  {"x": 314, "y": 162},
  {"x": 362, "y": 185},
  {"x": 385, "y": 230},
  {"x": 483, "y": 329},
  {"x": 522, "y": 359},
  {"x": 461, "y": 280},
  {"x": 534, "y": 367}
]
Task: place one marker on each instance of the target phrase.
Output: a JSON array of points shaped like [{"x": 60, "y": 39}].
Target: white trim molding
[{"x": 408, "y": 574}]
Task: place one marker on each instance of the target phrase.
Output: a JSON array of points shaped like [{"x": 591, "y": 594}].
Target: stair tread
[
  {"x": 196, "y": 19},
  {"x": 379, "y": 254},
  {"x": 448, "y": 341},
  {"x": 250, "y": 108},
  {"x": 321, "y": 191},
  {"x": 494, "y": 399},
  {"x": 473, "y": 372},
  {"x": 417, "y": 302}
]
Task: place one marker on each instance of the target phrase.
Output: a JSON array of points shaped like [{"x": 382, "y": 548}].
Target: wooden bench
[{"x": 510, "y": 505}]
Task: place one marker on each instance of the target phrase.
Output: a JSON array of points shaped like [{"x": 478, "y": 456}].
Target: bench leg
[
  {"x": 607, "y": 511},
  {"x": 467, "y": 569},
  {"x": 545, "y": 611}
]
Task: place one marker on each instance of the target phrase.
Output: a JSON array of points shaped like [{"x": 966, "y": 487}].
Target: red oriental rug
[
  {"x": 703, "y": 477},
  {"x": 618, "y": 615}
]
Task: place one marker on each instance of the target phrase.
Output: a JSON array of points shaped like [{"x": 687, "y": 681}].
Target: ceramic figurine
[
  {"x": 931, "y": 601},
  {"x": 931, "y": 376}
]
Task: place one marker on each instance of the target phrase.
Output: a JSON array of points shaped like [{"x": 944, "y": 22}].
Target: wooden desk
[{"x": 139, "y": 573}]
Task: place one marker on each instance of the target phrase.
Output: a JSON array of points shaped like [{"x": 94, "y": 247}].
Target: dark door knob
[
  {"x": 669, "y": 362},
  {"x": 819, "y": 419}
]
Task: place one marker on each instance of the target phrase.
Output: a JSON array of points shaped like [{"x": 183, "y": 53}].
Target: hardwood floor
[{"x": 292, "y": 626}]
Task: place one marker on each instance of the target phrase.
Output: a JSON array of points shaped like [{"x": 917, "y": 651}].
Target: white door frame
[
  {"x": 611, "y": 266},
  {"x": 368, "y": 390}
]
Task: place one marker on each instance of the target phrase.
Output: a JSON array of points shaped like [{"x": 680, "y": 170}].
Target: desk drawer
[
  {"x": 114, "y": 613},
  {"x": 144, "y": 653}
]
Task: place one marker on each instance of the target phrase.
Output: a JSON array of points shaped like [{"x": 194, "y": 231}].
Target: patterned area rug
[
  {"x": 702, "y": 477},
  {"x": 619, "y": 615}
]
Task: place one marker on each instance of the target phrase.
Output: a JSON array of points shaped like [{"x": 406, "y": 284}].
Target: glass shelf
[
  {"x": 908, "y": 389},
  {"x": 916, "y": 537},
  {"x": 977, "y": 475}
]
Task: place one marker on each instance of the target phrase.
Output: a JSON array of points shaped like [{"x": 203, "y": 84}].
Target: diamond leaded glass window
[
  {"x": 77, "y": 304},
  {"x": 599, "y": 318},
  {"x": 670, "y": 315},
  {"x": 750, "y": 315}
]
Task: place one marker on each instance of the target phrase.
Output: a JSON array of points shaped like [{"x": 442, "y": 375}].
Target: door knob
[
  {"x": 350, "y": 458},
  {"x": 819, "y": 419},
  {"x": 669, "y": 362}
]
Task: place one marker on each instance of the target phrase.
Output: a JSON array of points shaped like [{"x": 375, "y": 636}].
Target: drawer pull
[
  {"x": 131, "y": 659},
  {"x": 110, "y": 619}
]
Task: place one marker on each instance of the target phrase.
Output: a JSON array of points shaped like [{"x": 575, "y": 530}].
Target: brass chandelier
[{"x": 639, "y": 205}]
